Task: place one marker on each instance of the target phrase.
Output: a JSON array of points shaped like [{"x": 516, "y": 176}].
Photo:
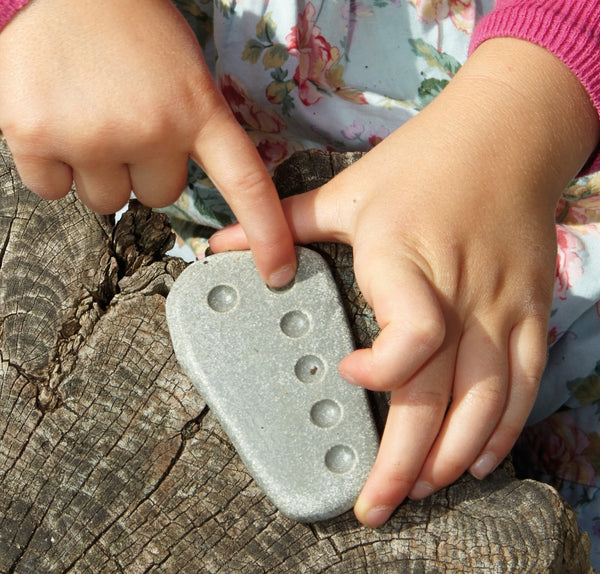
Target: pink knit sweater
[
  {"x": 8, "y": 8},
  {"x": 570, "y": 29}
]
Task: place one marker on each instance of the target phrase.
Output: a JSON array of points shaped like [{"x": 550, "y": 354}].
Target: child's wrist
[{"x": 524, "y": 113}]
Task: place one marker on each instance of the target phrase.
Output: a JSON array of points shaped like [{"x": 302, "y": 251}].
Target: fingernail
[
  {"x": 421, "y": 490},
  {"x": 378, "y": 516},
  {"x": 485, "y": 464},
  {"x": 282, "y": 277}
]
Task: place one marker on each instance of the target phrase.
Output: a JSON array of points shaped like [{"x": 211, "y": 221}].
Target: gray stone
[{"x": 266, "y": 363}]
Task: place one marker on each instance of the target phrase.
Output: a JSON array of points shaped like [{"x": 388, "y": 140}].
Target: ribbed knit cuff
[
  {"x": 568, "y": 29},
  {"x": 8, "y": 8}
]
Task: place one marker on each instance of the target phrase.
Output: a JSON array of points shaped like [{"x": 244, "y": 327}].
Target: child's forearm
[
  {"x": 520, "y": 107},
  {"x": 568, "y": 29}
]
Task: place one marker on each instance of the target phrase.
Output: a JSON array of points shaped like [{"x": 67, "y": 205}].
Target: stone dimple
[
  {"x": 325, "y": 414},
  {"x": 222, "y": 298},
  {"x": 340, "y": 459},
  {"x": 295, "y": 324},
  {"x": 309, "y": 369}
]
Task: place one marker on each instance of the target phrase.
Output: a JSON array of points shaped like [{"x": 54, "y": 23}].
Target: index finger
[{"x": 230, "y": 159}]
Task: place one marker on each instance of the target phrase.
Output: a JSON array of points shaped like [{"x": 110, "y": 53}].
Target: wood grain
[{"x": 111, "y": 462}]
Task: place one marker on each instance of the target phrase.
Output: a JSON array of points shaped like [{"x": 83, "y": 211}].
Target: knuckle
[
  {"x": 26, "y": 134},
  {"x": 92, "y": 145},
  {"x": 399, "y": 478},
  {"x": 253, "y": 185},
  {"x": 492, "y": 396},
  {"x": 151, "y": 130},
  {"x": 431, "y": 399},
  {"x": 530, "y": 382},
  {"x": 428, "y": 335}
]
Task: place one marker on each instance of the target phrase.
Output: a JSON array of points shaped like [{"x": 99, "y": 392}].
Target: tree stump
[{"x": 111, "y": 462}]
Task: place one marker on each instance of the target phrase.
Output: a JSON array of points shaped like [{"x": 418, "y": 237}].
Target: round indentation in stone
[
  {"x": 283, "y": 289},
  {"x": 295, "y": 324},
  {"x": 309, "y": 369},
  {"x": 222, "y": 298},
  {"x": 325, "y": 413},
  {"x": 340, "y": 459}
]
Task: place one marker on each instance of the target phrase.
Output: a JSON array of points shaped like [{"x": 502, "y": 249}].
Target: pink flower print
[
  {"x": 316, "y": 59},
  {"x": 354, "y": 132},
  {"x": 583, "y": 214},
  {"x": 461, "y": 12},
  {"x": 557, "y": 446},
  {"x": 380, "y": 134},
  {"x": 569, "y": 266},
  {"x": 554, "y": 335},
  {"x": 246, "y": 111},
  {"x": 274, "y": 150}
]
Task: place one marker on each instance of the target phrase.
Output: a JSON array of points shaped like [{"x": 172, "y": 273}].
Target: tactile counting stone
[{"x": 266, "y": 362}]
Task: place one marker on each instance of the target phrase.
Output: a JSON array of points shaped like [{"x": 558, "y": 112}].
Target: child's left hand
[{"x": 451, "y": 219}]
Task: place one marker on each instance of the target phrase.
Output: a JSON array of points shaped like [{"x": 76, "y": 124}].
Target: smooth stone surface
[{"x": 266, "y": 363}]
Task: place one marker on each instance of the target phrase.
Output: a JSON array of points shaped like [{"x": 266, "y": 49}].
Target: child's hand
[
  {"x": 452, "y": 223},
  {"x": 116, "y": 96}
]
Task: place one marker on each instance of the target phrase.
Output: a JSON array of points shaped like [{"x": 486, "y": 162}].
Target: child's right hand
[{"x": 116, "y": 96}]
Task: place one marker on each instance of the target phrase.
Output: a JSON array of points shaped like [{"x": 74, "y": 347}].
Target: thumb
[{"x": 410, "y": 317}]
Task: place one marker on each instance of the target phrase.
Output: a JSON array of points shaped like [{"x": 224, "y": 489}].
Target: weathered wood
[{"x": 111, "y": 462}]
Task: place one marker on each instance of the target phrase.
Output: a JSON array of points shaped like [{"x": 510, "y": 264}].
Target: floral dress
[{"x": 342, "y": 75}]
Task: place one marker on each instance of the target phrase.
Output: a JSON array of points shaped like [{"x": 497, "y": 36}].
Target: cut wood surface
[{"x": 110, "y": 461}]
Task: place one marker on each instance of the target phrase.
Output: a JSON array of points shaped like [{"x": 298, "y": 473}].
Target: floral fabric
[{"x": 342, "y": 75}]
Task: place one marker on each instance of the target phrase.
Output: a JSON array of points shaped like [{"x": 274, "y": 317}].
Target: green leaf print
[
  {"x": 430, "y": 88},
  {"x": 279, "y": 93},
  {"x": 440, "y": 60},
  {"x": 211, "y": 205},
  {"x": 252, "y": 51},
  {"x": 265, "y": 29},
  {"x": 199, "y": 21},
  {"x": 586, "y": 389},
  {"x": 279, "y": 75},
  {"x": 226, "y": 7},
  {"x": 275, "y": 56}
]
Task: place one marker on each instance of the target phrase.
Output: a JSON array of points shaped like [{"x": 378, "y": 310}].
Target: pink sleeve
[
  {"x": 8, "y": 8},
  {"x": 569, "y": 29}
]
